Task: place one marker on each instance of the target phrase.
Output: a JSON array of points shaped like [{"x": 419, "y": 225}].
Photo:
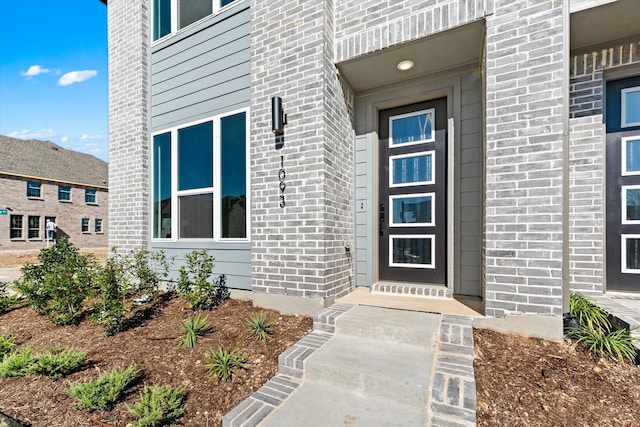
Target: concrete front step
[
  {"x": 386, "y": 324},
  {"x": 317, "y": 404},
  {"x": 398, "y": 372}
]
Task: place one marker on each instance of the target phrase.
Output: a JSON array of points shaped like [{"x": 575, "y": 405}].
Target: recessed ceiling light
[{"x": 405, "y": 65}]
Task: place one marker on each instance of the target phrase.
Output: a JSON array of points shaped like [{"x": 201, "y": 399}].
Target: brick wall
[
  {"x": 300, "y": 249},
  {"x": 524, "y": 157},
  {"x": 587, "y": 161},
  {"x": 68, "y": 214},
  {"x": 128, "y": 23},
  {"x": 363, "y": 26}
]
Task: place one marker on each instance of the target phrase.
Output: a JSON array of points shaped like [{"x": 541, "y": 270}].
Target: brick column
[
  {"x": 128, "y": 125},
  {"x": 300, "y": 253},
  {"x": 525, "y": 77}
]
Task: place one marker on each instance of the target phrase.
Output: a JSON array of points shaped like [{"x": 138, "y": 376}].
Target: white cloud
[
  {"x": 64, "y": 139},
  {"x": 76, "y": 77},
  {"x": 34, "y": 70},
  {"x": 26, "y": 134},
  {"x": 86, "y": 137}
]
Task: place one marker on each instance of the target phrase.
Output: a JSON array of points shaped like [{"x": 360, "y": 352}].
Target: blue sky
[{"x": 53, "y": 73}]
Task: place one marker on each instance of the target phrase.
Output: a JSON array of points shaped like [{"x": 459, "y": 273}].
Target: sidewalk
[{"x": 367, "y": 365}]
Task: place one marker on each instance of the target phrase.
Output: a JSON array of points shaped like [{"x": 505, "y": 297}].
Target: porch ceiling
[
  {"x": 611, "y": 21},
  {"x": 459, "y": 46}
]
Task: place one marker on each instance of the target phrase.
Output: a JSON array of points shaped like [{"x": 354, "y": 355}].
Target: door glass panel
[
  {"x": 630, "y": 204},
  {"x": 630, "y": 107},
  {"x": 411, "y": 169},
  {"x": 412, "y": 251},
  {"x": 412, "y": 128},
  {"x": 631, "y": 156},
  {"x": 631, "y": 254},
  {"x": 196, "y": 216},
  {"x": 412, "y": 210}
]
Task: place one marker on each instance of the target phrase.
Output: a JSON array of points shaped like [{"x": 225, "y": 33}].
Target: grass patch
[
  {"x": 223, "y": 364},
  {"x": 194, "y": 327},
  {"x": 260, "y": 326}
]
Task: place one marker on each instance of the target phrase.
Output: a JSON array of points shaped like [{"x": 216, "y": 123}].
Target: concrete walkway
[{"x": 372, "y": 366}]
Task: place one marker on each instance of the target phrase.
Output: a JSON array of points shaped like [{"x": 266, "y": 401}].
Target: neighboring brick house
[
  {"x": 40, "y": 180},
  {"x": 432, "y": 147}
]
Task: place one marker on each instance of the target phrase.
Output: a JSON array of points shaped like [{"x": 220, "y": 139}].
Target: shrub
[
  {"x": 260, "y": 326},
  {"x": 7, "y": 301},
  {"x": 59, "y": 285},
  {"x": 110, "y": 308},
  {"x": 149, "y": 268},
  {"x": 158, "y": 406},
  {"x": 194, "y": 327},
  {"x": 58, "y": 362},
  {"x": 17, "y": 363},
  {"x": 105, "y": 391},
  {"x": 7, "y": 345},
  {"x": 596, "y": 333},
  {"x": 223, "y": 364},
  {"x": 194, "y": 285}
]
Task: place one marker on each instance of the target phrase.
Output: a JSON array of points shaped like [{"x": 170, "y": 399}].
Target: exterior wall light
[
  {"x": 278, "y": 117},
  {"x": 405, "y": 65}
]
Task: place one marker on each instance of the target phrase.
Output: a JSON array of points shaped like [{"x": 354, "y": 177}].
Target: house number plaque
[{"x": 281, "y": 176}]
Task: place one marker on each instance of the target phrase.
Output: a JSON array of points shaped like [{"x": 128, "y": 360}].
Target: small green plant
[
  {"x": 110, "y": 309},
  {"x": 7, "y": 301},
  {"x": 17, "y": 364},
  {"x": 158, "y": 406},
  {"x": 587, "y": 312},
  {"x": 7, "y": 345},
  {"x": 105, "y": 391},
  {"x": 55, "y": 363},
  {"x": 194, "y": 327},
  {"x": 223, "y": 364},
  {"x": 260, "y": 326},
  {"x": 59, "y": 285},
  {"x": 149, "y": 268},
  {"x": 194, "y": 285}
]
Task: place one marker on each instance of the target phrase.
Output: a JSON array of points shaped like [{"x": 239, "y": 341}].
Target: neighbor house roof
[{"x": 45, "y": 160}]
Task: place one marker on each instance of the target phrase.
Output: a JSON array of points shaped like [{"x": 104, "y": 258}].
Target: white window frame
[
  {"x": 623, "y": 106},
  {"x": 431, "y": 153},
  {"x": 623, "y": 253},
  {"x": 60, "y": 191},
  {"x": 82, "y": 220},
  {"x": 413, "y": 236},
  {"x": 413, "y": 224},
  {"x": 96, "y": 229},
  {"x": 623, "y": 204},
  {"x": 38, "y": 187},
  {"x": 432, "y": 137},
  {"x": 215, "y": 7},
  {"x": 36, "y": 229},
  {"x": 623, "y": 155},
  {"x": 217, "y": 181}
]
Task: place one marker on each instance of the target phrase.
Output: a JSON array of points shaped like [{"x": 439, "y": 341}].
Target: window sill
[
  {"x": 64, "y": 201},
  {"x": 99, "y": 232},
  {"x": 17, "y": 239},
  {"x": 91, "y": 204},
  {"x": 35, "y": 198}
]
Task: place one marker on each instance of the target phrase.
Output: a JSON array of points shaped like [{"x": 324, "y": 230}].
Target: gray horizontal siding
[
  {"x": 232, "y": 259},
  {"x": 204, "y": 73}
]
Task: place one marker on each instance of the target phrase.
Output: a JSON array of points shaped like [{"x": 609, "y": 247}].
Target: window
[
  {"x": 34, "y": 227},
  {"x": 172, "y": 15},
  {"x": 64, "y": 192},
  {"x": 411, "y": 169},
  {"x": 15, "y": 226},
  {"x": 98, "y": 225},
  {"x": 200, "y": 180},
  {"x": 85, "y": 225},
  {"x": 90, "y": 196},
  {"x": 34, "y": 189},
  {"x": 630, "y": 109}
]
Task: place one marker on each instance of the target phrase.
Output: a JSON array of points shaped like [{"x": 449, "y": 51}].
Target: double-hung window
[
  {"x": 84, "y": 225},
  {"x": 170, "y": 16},
  {"x": 64, "y": 193},
  {"x": 34, "y": 227},
  {"x": 15, "y": 227},
  {"x": 34, "y": 189},
  {"x": 90, "y": 196},
  {"x": 200, "y": 180}
]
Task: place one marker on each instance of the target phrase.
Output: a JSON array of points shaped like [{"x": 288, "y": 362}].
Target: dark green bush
[
  {"x": 195, "y": 286},
  {"x": 59, "y": 285},
  {"x": 110, "y": 308}
]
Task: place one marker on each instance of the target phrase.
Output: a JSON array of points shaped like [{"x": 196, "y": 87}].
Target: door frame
[{"x": 452, "y": 94}]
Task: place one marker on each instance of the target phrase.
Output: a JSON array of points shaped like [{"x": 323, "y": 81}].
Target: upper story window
[
  {"x": 34, "y": 189},
  {"x": 200, "y": 180},
  {"x": 170, "y": 16},
  {"x": 64, "y": 192},
  {"x": 630, "y": 109},
  {"x": 89, "y": 196}
]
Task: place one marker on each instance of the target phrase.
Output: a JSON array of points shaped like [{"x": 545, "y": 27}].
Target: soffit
[
  {"x": 445, "y": 50},
  {"x": 611, "y": 21}
]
